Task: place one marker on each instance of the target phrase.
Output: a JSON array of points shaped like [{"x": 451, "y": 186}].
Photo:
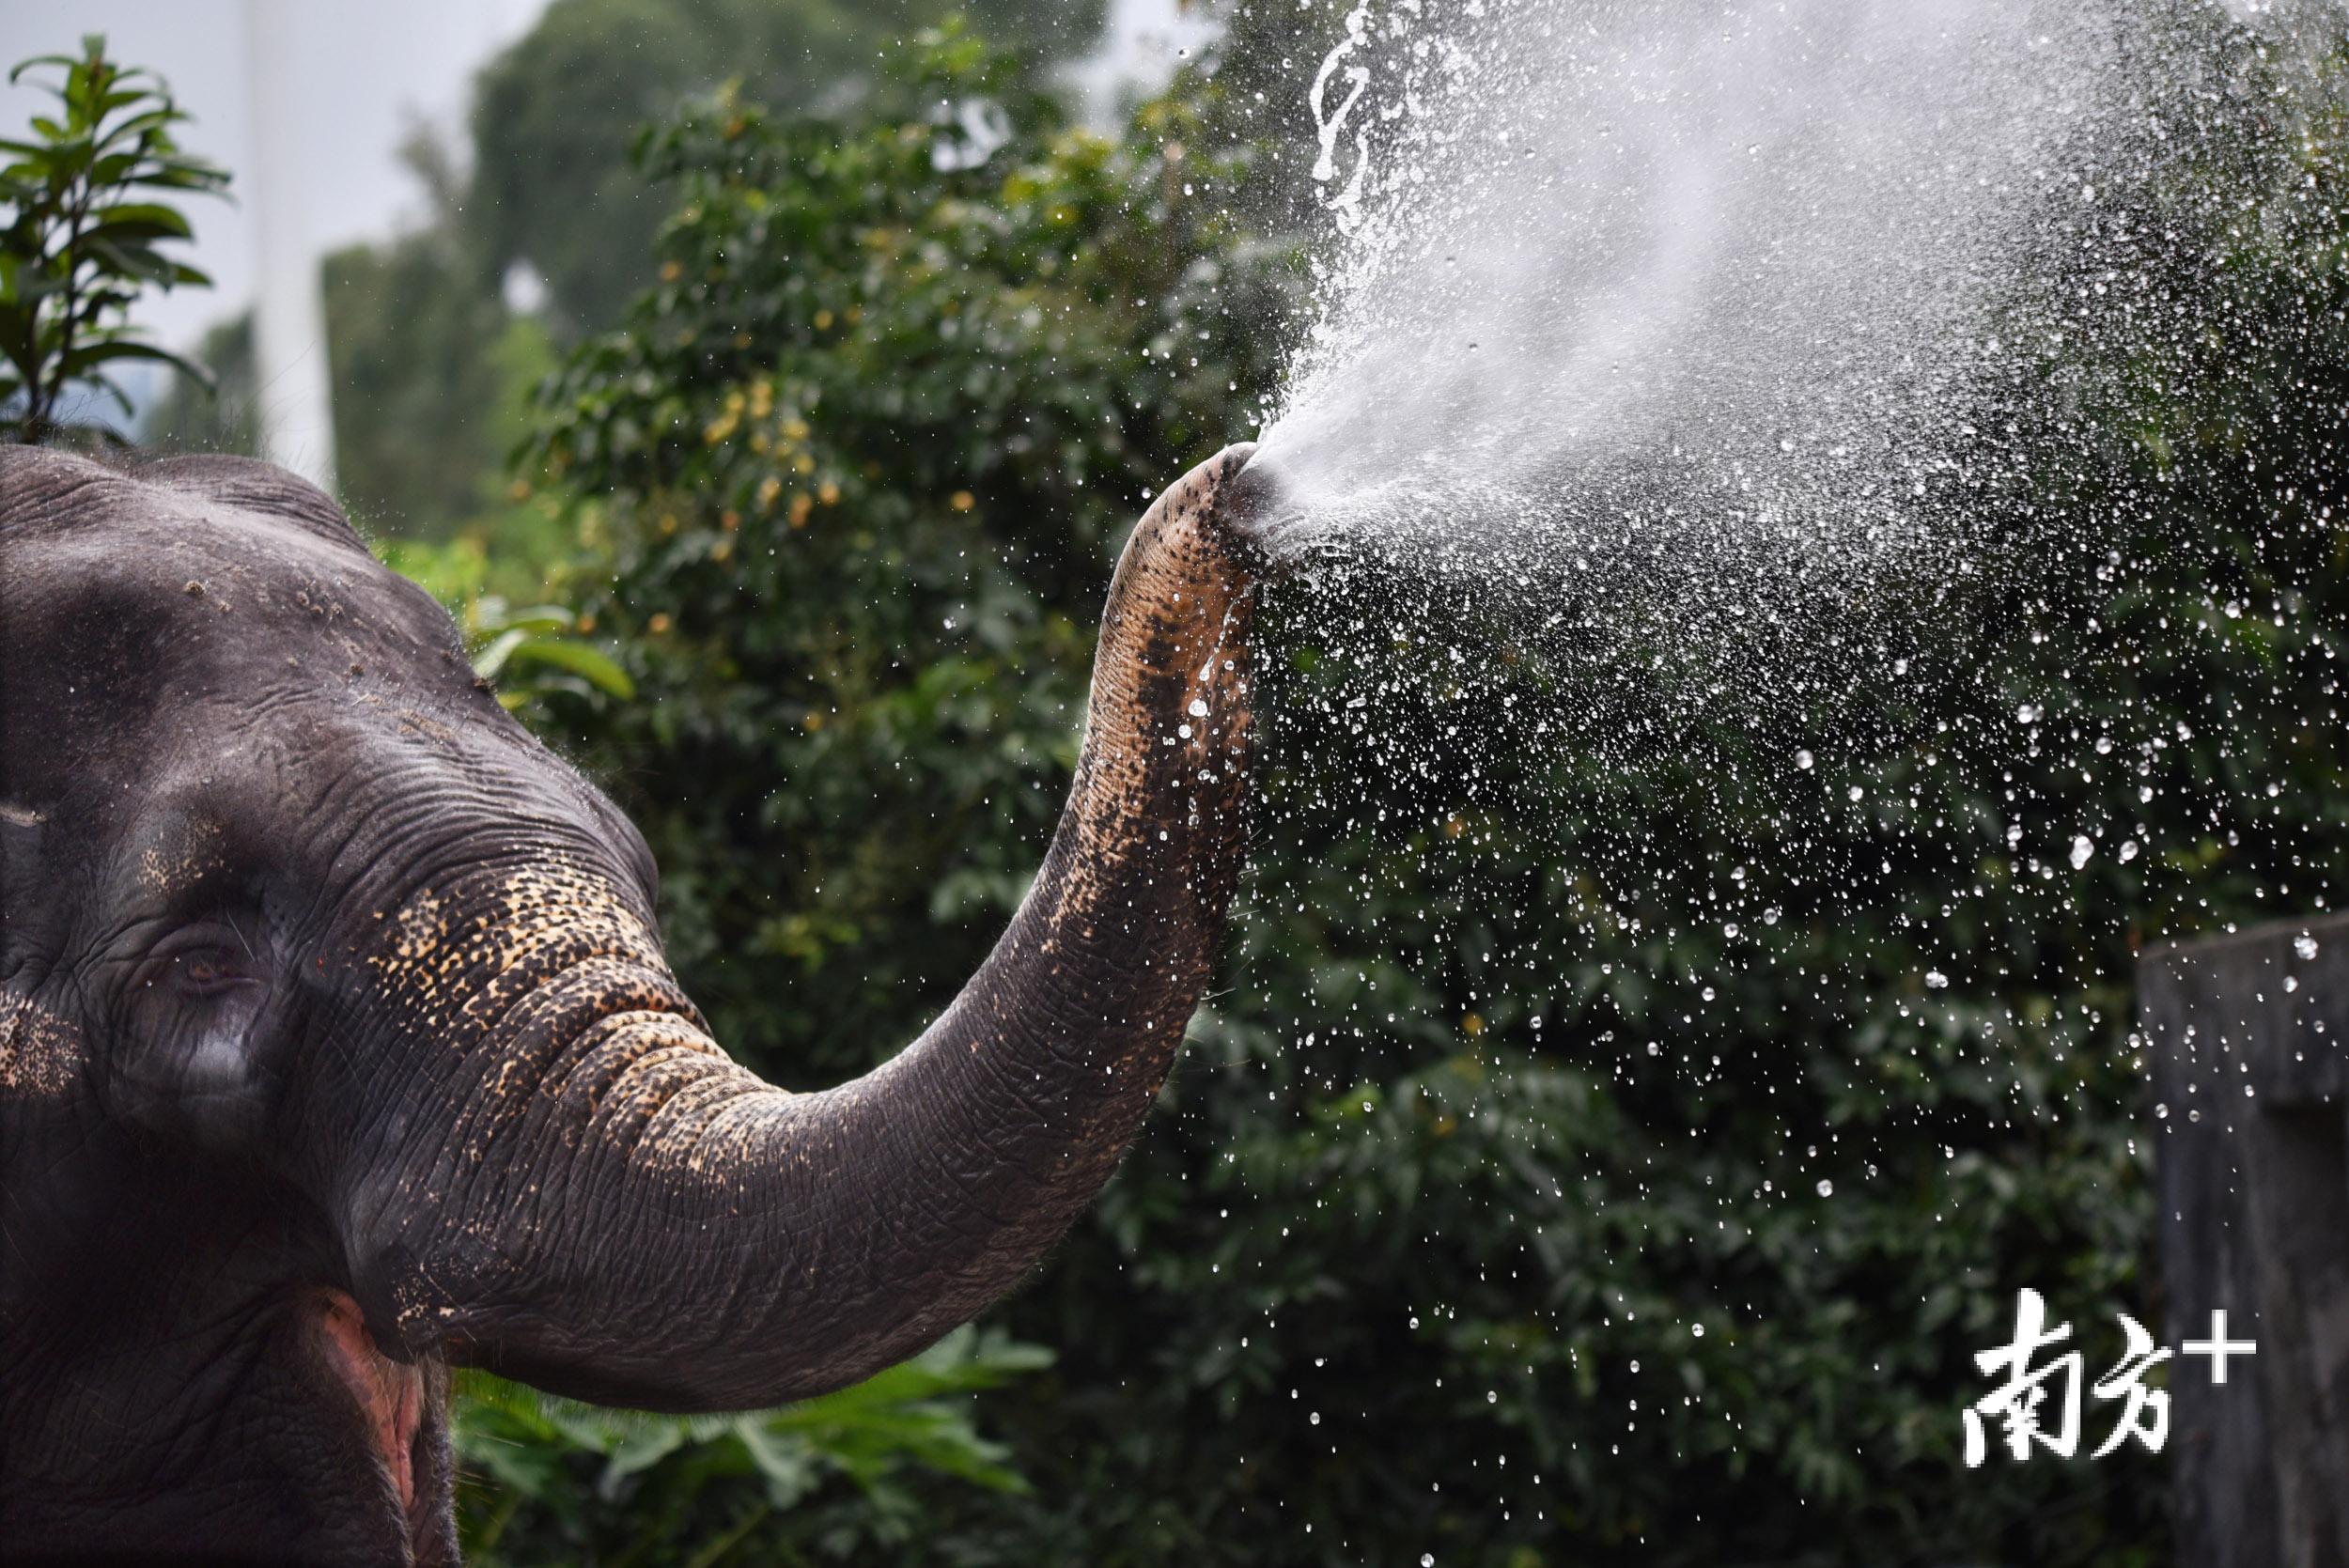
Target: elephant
[{"x": 338, "y": 1046}]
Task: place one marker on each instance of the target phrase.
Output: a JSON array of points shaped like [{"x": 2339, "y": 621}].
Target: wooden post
[{"x": 2248, "y": 1035}]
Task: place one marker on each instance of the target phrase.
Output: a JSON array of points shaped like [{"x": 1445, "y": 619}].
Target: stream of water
[{"x": 1723, "y": 288}]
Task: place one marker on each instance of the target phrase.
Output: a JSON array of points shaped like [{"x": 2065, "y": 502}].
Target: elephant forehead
[
  {"x": 165, "y": 602},
  {"x": 263, "y": 599},
  {"x": 178, "y": 656}
]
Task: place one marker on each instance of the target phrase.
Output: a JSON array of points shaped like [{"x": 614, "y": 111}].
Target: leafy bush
[
  {"x": 844, "y": 1470},
  {"x": 553, "y": 186},
  {"x": 533, "y": 652},
  {"x": 854, "y": 472},
  {"x": 1611, "y": 1142}
]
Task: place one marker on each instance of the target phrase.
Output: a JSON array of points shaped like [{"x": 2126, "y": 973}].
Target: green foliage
[
  {"x": 554, "y": 116},
  {"x": 431, "y": 368},
  {"x": 532, "y": 653},
  {"x": 86, "y": 234},
  {"x": 432, "y": 381},
  {"x": 1611, "y": 1141},
  {"x": 436, "y": 383},
  {"x": 902, "y": 407},
  {"x": 413, "y": 347},
  {"x": 834, "y": 1478}
]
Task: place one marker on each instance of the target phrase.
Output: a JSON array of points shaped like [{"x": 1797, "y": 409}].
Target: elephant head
[{"x": 338, "y": 1046}]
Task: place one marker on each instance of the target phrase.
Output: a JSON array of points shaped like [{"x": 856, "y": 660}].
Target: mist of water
[
  {"x": 1709, "y": 397},
  {"x": 1703, "y": 287}
]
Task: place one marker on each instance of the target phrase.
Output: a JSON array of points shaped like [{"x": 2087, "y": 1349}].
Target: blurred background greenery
[{"x": 1507, "y": 1208}]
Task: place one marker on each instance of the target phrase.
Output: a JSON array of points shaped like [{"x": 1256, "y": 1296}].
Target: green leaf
[
  {"x": 492, "y": 657},
  {"x": 540, "y": 617},
  {"x": 582, "y": 659},
  {"x": 640, "y": 1449},
  {"x": 787, "y": 1461},
  {"x": 139, "y": 221}
]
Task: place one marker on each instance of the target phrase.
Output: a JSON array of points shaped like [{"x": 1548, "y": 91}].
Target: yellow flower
[
  {"x": 803, "y": 463},
  {"x": 1473, "y": 1024},
  {"x": 800, "y": 506},
  {"x": 769, "y": 489},
  {"x": 829, "y": 494},
  {"x": 671, "y": 271},
  {"x": 823, "y": 321},
  {"x": 668, "y": 522},
  {"x": 963, "y": 501},
  {"x": 729, "y": 520},
  {"x": 659, "y": 624}
]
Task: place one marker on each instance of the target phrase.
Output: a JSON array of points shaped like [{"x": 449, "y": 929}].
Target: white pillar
[{"x": 293, "y": 404}]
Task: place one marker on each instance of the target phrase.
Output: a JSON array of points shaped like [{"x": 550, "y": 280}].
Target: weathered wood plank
[{"x": 2248, "y": 1040}]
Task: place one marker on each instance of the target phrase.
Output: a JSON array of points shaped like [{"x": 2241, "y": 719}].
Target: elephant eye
[
  {"x": 208, "y": 962},
  {"x": 189, "y": 1057},
  {"x": 205, "y": 972}
]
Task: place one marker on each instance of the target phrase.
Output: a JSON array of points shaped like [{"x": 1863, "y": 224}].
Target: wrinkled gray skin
[{"x": 336, "y": 1045}]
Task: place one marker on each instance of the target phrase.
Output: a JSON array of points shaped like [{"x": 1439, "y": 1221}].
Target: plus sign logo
[
  {"x": 2037, "y": 1403},
  {"x": 2217, "y": 1348}
]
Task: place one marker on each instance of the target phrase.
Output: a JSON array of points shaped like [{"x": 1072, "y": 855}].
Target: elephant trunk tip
[{"x": 1256, "y": 507}]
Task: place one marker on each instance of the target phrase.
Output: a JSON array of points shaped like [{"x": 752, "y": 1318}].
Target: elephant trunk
[{"x": 620, "y": 1212}]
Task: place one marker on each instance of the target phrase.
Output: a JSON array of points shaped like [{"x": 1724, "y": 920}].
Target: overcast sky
[{"x": 366, "y": 73}]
